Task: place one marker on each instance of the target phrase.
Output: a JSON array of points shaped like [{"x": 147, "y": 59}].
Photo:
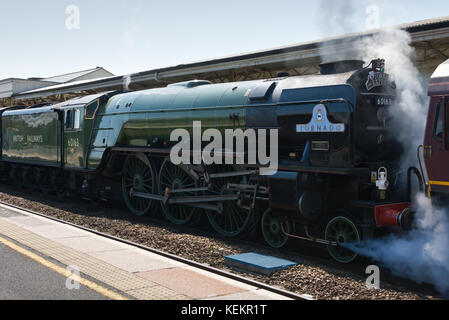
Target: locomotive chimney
[{"x": 340, "y": 66}]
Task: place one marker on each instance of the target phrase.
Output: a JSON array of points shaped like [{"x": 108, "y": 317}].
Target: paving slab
[
  {"x": 218, "y": 277},
  {"x": 253, "y": 295},
  {"x": 5, "y": 213},
  {"x": 55, "y": 231},
  {"x": 157, "y": 293},
  {"x": 134, "y": 261},
  {"x": 89, "y": 244},
  {"x": 198, "y": 286},
  {"x": 25, "y": 221}
]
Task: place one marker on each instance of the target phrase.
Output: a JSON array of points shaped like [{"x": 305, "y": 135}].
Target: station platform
[{"x": 42, "y": 259}]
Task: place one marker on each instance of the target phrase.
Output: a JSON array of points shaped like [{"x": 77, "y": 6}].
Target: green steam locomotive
[{"x": 335, "y": 155}]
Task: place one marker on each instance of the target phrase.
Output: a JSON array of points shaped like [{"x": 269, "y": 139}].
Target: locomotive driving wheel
[
  {"x": 138, "y": 176},
  {"x": 272, "y": 226},
  {"x": 234, "y": 218},
  {"x": 176, "y": 178},
  {"x": 343, "y": 231}
]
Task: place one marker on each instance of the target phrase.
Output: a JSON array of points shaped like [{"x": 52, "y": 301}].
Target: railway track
[
  {"x": 191, "y": 263},
  {"x": 312, "y": 261}
]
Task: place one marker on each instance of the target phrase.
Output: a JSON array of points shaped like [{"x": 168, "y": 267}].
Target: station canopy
[{"x": 430, "y": 39}]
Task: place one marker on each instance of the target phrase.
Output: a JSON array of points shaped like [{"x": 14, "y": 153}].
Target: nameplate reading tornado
[{"x": 320, "y": 123}]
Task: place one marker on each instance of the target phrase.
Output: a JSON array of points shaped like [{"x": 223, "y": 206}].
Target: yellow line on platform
[{"x": 87, "y": 283}]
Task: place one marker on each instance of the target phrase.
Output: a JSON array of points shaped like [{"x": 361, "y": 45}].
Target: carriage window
[
  {"x": 77, "y": 119},
  {"x": 446, "y": 125},
  {"x": 69, "y": 119},
  {"x": 438, "y": 129}
]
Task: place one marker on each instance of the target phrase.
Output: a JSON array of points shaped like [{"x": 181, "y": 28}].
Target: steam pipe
[
  {"x": 422, "y": 171},
  {"x": 409, "y": 181},
  {"x": 419, "y": 159}
]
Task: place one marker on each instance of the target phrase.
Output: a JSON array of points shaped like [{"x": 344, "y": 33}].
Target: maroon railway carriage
[{"x": 436, "y": 141}]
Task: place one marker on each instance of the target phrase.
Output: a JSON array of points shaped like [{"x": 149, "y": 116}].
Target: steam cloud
[
  {"x": 421, "y": 255},
  {"x": 337, "y": 16},
  {"x": 408, "y": 115}
]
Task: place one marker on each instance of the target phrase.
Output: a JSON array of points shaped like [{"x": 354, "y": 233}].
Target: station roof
[
  {"x": 74, "y": 76},
  {"x": 430, "y": 38},
  {"x": 10, "y": 86},
  {"x": 442, "y": 71},
  {"x": 439, "y": 83},
  {"x": 13, "y": 86}
]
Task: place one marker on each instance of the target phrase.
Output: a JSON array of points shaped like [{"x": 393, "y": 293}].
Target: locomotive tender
[{"x": 339, "y": 173}]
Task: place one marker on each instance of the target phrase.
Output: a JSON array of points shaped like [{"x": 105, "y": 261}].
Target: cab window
[
  {"x": 73, "y": 119},
  {"x": 69, "y": 119},
  {"x": 91, "y": 110},
  {"x": 77, "y": 120}
]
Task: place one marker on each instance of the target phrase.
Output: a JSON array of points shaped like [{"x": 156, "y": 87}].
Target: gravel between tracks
[{"x": 317, "y": 279}]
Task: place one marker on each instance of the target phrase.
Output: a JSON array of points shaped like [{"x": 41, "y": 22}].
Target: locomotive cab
[
  {"x": 78, "y": 118},
  {"x": 73, "y": 135}
]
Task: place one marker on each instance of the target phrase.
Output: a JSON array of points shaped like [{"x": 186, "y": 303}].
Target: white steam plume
[
  {"x": 336, "y": 18},
  {"x": 126, "y": 83},
  {"x": 409, "y": 113}
]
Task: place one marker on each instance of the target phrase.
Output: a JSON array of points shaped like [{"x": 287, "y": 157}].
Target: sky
[{"x": 50, "y": 37}]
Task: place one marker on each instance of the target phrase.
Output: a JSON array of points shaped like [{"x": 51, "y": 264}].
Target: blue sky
[{"x": 136, "y": 35}]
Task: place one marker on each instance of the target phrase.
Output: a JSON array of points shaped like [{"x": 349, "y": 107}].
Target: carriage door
[
  {"x": 73, "y": 137},
  {"x": 436, "y": 144}
]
